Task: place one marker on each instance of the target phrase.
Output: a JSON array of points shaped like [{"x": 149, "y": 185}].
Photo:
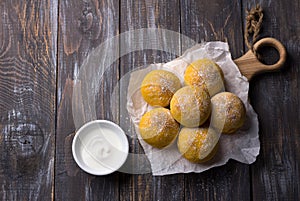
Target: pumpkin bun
[
  {"x": 228, "y": 112},
  {"x": 159, "y": 86},
  {"x": 197, "y": 145},
  {"x": 205, "y": 72},
  {"x": 191, "y": 106},
  {"x": 158, "y": 128}
]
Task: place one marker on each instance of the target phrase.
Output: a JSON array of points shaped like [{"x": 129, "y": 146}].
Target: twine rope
[{"x": 254, "y": 20}]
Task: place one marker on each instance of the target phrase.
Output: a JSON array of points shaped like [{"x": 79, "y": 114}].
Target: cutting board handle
[{"x": 249, "y": 65}]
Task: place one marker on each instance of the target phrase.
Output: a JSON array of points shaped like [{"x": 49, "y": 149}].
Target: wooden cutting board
[{"x": 249, "y": 65}]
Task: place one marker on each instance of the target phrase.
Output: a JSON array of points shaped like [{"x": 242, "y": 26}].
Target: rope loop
[{"x": 254, "y": 21}]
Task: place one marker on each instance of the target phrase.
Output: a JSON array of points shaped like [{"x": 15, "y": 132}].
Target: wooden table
[{"x": 44, "y": 43}]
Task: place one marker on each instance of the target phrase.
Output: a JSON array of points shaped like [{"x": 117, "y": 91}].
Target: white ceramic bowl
[{"x": 100, "y": 147}]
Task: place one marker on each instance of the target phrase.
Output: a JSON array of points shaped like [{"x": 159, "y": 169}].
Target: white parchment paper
[{"x": 242, "y": 146}]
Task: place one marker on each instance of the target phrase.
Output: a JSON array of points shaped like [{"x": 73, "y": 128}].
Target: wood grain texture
[
  {"x": 83, "y": 26},
  {"x": 209, "y": 21},
  {"x": 137, "y": 15},
  {"x": 42, "y": 47},
  {"x": 28, "y": 31},
  {"x": 276, "y": 99}
]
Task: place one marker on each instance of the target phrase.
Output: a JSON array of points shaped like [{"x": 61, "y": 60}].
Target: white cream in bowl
[{"x": 100, "y": 147}]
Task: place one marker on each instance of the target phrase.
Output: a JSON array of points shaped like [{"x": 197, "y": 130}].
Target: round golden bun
[
  {"x": 158, "y": 128},
  {"x": 191, "y": 106},
  {"x": 197, "y": 145},
  {"x": 159, "y": 86},
  {"x": 205, "y": 72},
  {"x": 228, "y": 112}
]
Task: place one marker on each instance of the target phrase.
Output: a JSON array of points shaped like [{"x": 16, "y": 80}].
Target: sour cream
[{"x": 100, "y": 147}]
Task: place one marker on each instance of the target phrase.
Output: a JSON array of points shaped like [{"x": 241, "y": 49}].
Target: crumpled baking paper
[{"x": 242, "y": 146}]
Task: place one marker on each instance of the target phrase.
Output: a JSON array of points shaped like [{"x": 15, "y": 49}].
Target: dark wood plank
[
  {"x": 276, "y": 98},
  {"x": 83, "y": 26},
  {"x": 136, "y": 15},
  {"x": 28, "y": 33},
  {"x": 209, "y": 21}
]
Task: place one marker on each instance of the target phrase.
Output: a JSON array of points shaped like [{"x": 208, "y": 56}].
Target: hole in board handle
[{"x": 272, "y": 43}]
